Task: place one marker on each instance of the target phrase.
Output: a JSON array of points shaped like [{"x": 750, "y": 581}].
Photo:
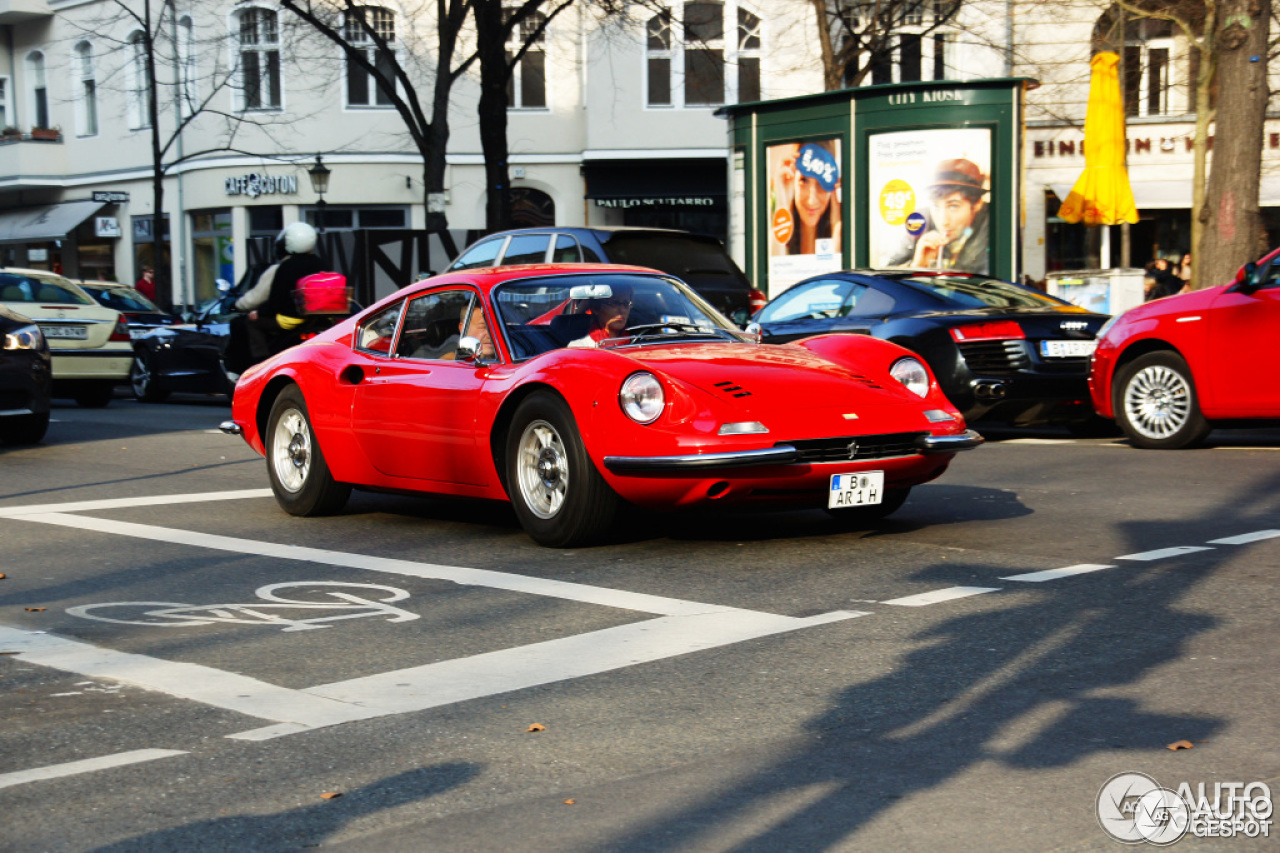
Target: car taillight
[
  {"x": 757, "y": 299},
  {"x": 1000, "y": 330},
  {"x": 121, "y": 332}
]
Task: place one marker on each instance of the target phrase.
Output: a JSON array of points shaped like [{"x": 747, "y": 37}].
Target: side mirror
[
  {"x": 755, "y": 332},
  {"x": 223, "y": 285},
  {"x": 469, "y": 350}
]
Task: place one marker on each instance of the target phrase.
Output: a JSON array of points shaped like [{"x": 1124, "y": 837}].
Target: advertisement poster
[
  {"x": 930, "y": 199},
  {"x": 804, "y": 211}
]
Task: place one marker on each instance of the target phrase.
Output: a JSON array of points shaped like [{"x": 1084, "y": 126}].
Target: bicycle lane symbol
[{"x": 375, "y": 601}]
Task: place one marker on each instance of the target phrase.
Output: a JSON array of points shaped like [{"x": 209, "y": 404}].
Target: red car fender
[{"x": 866, "y": 354}]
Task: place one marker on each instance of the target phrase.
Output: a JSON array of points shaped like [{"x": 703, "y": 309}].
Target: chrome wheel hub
[
  {"x": 1157, "y": 401},
  {"x": 291, "y": 450},
  {"x": 542, "y": 470}
]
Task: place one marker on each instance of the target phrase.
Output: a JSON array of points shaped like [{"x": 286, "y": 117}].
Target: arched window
[
  {"x": 703, "y": 53},
  {"x": 527, "y": 88},
  {"x": 187, "y": 64},
  {"x": 532, "y": 208},
  {"x": 139, "y": 82},
  {"x": 258, "y": 41},
  {"x": 87, "y": 112},
  {"x": 39, "y": 89},
  {"x": 372, "y": 29}
]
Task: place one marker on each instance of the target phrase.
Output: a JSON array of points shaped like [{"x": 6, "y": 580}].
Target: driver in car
[{"x": 608, "y": 317}]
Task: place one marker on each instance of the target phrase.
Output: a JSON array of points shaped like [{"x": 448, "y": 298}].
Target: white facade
[{"x": 617, "y": 95}]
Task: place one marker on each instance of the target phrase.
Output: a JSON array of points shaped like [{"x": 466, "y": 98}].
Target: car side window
[
  {"x": 589, "y": 255},
  {"x": 864, "y": 301},
  {"x": 566, "y": 250},
  {"x": 377, "y": 333},
  {"x": 815, "y": 300},
  {"x": 1272, "y": 278},
  {"x": 526, "y": 249},
  {"x": 433, "y": 325},
  {"x": 483, "y": 254}
]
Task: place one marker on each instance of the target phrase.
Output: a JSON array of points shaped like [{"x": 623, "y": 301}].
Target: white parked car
[{"x": 89, "y": 343}]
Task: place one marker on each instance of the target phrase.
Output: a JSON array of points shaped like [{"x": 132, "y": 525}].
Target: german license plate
[
  {"x": 862, "y": 489},
  {"x": 134, "y": 334},
  {"x": 1067, "y": 349},
  {"x": 74, "y": 333}
]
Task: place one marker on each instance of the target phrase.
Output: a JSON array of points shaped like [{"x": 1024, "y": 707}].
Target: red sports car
[
  {"x": 567, "y": 389},
  {"x": 1168, "y": 370}
]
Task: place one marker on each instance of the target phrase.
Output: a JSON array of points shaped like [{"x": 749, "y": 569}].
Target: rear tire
[
  {"x": 143, "y": 381},
  {"x": 24, "y": 429},
  {"x": 558, "y": 495},
  {"x": 94, "y": 394},
  {"x": 865, "y": 516},
  {"x": 1156, "y": 404},
  {"x": 299, "y": 475}
]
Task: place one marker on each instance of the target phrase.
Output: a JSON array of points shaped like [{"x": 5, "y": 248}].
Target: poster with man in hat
[{"x": 930, "y": 191}]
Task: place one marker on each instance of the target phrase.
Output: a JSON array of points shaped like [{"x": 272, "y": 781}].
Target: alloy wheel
[
  {"x": 1158, "y": 401},
  {"x": 542, "y": 469},
  {"x": 291, "y": 450}
]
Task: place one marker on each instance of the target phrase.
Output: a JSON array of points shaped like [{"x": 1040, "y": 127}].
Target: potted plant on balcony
[{"x": 46, "y": 133}]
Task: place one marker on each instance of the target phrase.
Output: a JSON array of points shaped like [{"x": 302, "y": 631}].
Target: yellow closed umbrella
[{"x": 1102, "y": 195}]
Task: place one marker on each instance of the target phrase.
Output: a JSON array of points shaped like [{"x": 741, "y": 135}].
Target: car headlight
[
  {"x": 26, "y": 337},
  {"x": 641, "y": 398},
  {"x": 912, "y": 374}
]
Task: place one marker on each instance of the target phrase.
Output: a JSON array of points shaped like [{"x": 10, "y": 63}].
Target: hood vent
[
  {"x": 870, "y": 383},
  {"x": 733, "y": 388}
]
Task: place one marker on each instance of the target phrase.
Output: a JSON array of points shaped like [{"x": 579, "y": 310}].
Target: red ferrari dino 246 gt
[{"x": 568, "y": 389}]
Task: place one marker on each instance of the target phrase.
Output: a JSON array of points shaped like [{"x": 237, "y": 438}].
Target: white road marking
[
  {"x": 1245, "y": 538},
  {"x": 88, "y": 765},
  {"x": 1054, "y": 574},
  {"x": 940, "y": 595},
  {"x": 470, "y": 577},
  {"x": 1164, "y": 553},
  {"x": 124, "y": 503}
]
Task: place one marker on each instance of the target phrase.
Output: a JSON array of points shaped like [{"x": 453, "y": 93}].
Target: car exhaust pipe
[
  {"x": 718, "y": 490},
  {"x": 987, "y": 389}
]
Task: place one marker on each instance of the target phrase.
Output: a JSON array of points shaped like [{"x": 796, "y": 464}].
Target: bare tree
[{"x": 858, "y": 36}]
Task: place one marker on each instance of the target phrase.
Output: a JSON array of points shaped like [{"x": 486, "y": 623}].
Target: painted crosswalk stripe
[
  {"x": 1245, "y": 538},
  {"x": 940, "y": 595},
  {"x": 88, "y": 765},
  {"x": 1164, "y": 553},
  {"x": 1054, "y": 574}
]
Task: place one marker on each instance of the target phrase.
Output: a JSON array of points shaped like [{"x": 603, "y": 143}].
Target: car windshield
[
  {"x": 975, "y": 292},
  {"x": 122, "y": 299},
  {"x": 22, "y": 287},
  {"x": 603, "y": 310}
]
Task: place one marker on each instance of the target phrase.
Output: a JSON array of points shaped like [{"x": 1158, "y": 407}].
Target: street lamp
[{"x": 320, "y": 183}]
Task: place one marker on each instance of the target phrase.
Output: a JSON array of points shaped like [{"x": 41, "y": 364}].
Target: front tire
[
  {"x": 299, "y": 475},
  {"x": 24, "y": 429},
  {"x": 865, "y": 516},
  {"x": 143, "y": 381},
  {"x": 558, "y": 495},
  {"x": 1156, "y": 403}
]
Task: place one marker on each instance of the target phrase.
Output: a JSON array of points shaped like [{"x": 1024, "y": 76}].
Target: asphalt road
[{"x": 185, "y": 667}]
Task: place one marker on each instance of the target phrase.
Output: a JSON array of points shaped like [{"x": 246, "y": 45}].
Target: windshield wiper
[{"x": 656, "y": 330}]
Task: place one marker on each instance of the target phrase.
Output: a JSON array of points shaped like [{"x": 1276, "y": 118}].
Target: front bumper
[{"x": 782, "y": 454}]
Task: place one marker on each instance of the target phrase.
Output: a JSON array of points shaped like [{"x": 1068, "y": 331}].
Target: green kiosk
[{"x": 920, "y": 175}]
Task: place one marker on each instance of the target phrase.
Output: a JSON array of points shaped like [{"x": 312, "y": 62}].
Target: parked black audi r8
[
  {"x": 1001, "y": 352},
  {"x": 26, "y": 379}
]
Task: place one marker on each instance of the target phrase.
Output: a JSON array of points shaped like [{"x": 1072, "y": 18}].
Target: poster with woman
[
  {"x": 929, "y": 199},
  {"x": 804, "y": 211}
]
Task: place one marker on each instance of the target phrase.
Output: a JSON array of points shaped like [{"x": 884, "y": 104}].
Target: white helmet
[{"x": 299, "y": 237}]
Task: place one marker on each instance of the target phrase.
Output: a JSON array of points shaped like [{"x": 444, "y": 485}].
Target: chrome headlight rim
[
  {"x": 642, "y": 398},
  {"x": 912, "y": 375},
  {"x": 24, "y": 338}
]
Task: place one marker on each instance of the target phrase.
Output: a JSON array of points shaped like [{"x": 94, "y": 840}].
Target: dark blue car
[
  {"x": 26, "y": 379},
  {"x": 1001, "y": 352}
]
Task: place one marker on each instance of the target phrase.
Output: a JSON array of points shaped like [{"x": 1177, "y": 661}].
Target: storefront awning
[
  {"x": 1176, "y": 195},
  {"x": 45, "y": 222},
  {"x": 657, "y": 183}
]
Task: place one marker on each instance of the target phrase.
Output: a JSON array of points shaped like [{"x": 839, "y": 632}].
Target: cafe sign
[{"x": 254, "y": 185}]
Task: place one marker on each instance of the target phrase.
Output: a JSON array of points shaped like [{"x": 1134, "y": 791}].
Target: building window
[
  {"x": 1148, "y": 77},
  {"x": 908, "y": 58},
  {"x": 87, "y": 114},
  {"x": 187, "y": 64},
  {"x": 372, "y": 30},
  {"x": 259, "y": 70},
  {"x": 139, "y": 83},
  {"x": 527, "y": 88},
  {"x": 703, "y": 54},
  {"x": 4, "y": 103},
  {"x": 39, "y": 89}
]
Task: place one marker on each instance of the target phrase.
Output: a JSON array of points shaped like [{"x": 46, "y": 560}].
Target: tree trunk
[
  {"x": 494, "y": 74},
  {"x": 1233, "y": 222}
]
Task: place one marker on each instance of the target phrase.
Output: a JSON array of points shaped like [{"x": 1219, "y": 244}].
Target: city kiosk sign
[{"x": 920, "y": 175}]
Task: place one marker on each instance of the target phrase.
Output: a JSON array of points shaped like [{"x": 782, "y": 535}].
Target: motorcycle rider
[{"x": 272, "y": 312}]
